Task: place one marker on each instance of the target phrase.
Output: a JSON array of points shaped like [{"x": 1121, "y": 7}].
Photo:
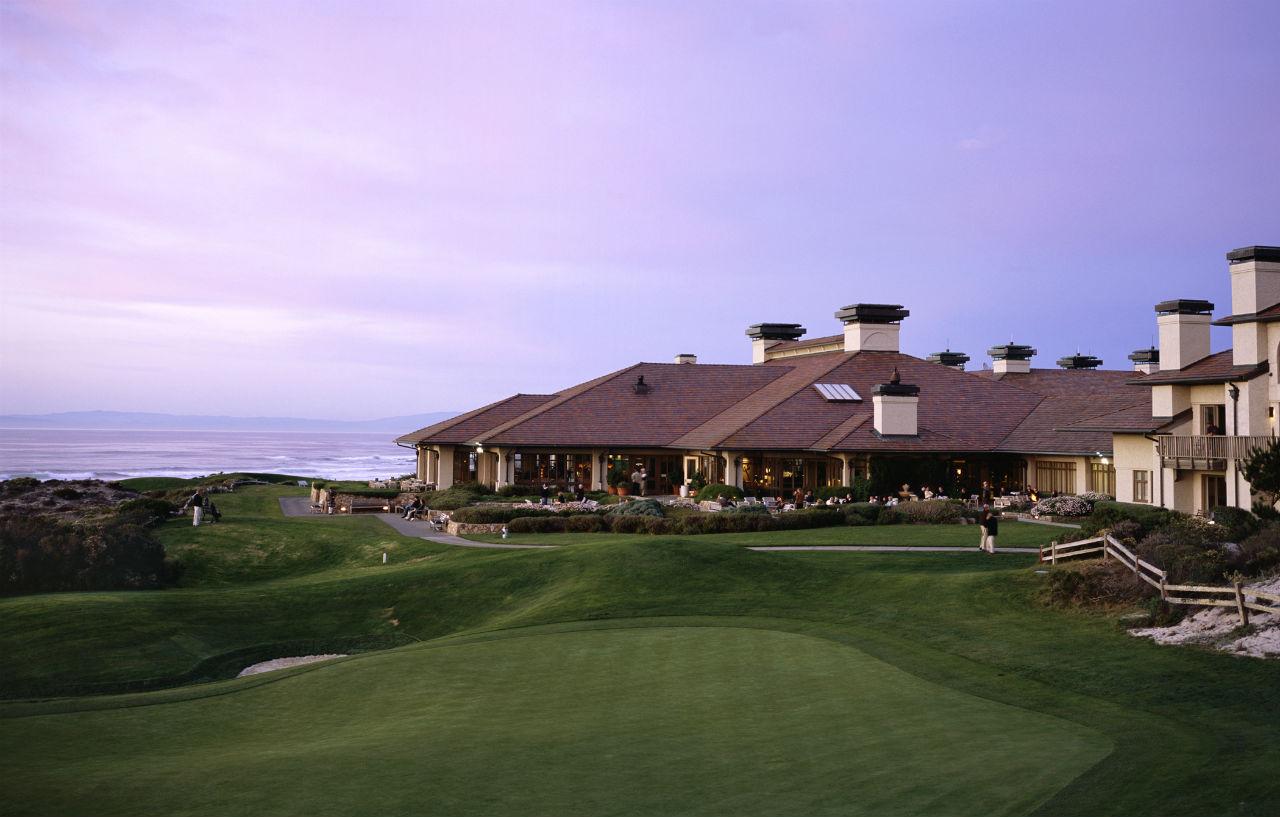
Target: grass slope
[{"x": 1193, "y": 731}]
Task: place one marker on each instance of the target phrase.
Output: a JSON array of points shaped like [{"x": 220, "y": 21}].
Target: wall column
[
  {"x": 732, "y": 468},
  {"x": 503, "y": 476},
  {"x": 846, "y": 470},
  {"x": 599, "y": 471},
  {"x": 444, "y": 468},
  {"x": 423, "y": 463}
]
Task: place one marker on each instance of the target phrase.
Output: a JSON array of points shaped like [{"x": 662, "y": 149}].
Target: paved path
[
  {"x": 301, "y": 506},
  {"x": 885, "y": 549}
]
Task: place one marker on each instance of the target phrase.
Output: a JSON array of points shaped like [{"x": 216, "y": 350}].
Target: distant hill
[{"x": 202, "y": 422}]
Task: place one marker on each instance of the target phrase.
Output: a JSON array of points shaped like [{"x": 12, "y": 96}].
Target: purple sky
[{"x": 354, "y": 210}]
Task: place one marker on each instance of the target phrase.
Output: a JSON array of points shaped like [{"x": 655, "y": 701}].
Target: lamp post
[{"x": 1234, "y": 391}]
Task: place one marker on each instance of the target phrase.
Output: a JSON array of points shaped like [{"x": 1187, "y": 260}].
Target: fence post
[
  {"x": 1240, "y": 608},
  {"x": 1053, "y": 552},
  {"x": 1164, "y": 594}
]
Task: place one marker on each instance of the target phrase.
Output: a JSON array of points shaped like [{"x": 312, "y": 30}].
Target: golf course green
[{"x": 610, "y": 676}]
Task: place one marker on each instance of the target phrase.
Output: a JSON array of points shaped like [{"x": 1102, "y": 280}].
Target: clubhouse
[{"x": 813, "y": 412}]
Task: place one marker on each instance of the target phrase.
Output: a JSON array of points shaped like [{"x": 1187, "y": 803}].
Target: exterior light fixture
[{"x": 479, "y": 448}]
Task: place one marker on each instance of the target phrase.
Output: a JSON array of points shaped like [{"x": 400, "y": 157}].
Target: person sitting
[
  {"x": 831, "y": 500},
  {"x": 580, "y": 493},
  {"x": 809, "y": 498},
  {"x": 411, "y": 510},
  {"x": 928, "y": 492}
]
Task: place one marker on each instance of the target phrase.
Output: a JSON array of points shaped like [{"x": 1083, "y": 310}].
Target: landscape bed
[{"x": 629, "y": 675}]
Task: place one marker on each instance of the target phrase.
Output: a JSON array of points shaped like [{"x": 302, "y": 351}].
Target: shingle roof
[
  {"x": 681, "y": 398},
  {"x": 464, "y": 427},
  {"x": 1269, "y": 315},
  {"x": 792, "y": 345},
  {"x": 774, "y": 407},
  {"x": 1216, "y": 368}
]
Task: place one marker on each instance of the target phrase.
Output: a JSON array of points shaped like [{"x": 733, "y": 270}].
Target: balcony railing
[{"x": 1202, "y": 449}]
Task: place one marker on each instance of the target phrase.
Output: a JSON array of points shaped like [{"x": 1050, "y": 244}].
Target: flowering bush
[
  {"x": 1063, "y": 506},
  {"x": 1094, "y": 496}
]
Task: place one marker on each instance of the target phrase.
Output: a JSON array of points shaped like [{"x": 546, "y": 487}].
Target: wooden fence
[{"x": 1241, "y": 598}]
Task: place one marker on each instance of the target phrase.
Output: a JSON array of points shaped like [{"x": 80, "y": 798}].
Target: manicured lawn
[
  {"x": 634, "y": 721},
  {"x": 712, "y": 679},
  {"x": 1012, "y": 534}
]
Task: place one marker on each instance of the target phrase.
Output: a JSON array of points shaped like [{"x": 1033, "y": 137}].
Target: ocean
[{"x": 112, "y": 455}]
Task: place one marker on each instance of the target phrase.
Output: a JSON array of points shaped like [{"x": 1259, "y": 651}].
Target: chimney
[
  {"x": 767, "y": 335},
  {"x": 1184, "y": 332},
  {"x": 895, "y": 407},
  {"x": 950, "y": 359},
  {"x": 1255, "y": 287},
  {"x": 685, "y": 357},
  {"x": 872, "y": 327},
  {"x": 1079, "y": 361},
  {"x": 1011, "y": 358},
  {"x": 1146, "y": 361}
]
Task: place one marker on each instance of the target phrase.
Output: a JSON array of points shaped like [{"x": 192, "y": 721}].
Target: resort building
[
  {"x": 807, "y": 413},
  {"x": 1208, "y": 411}
]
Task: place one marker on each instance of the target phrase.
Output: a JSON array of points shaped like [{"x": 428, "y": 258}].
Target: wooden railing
[
  {"x": 1243, "y": 599},
  {"x": 1210, "y": 447}
]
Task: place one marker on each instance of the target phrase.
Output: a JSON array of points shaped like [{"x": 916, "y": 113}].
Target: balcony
[{"x": 1206, "y": 453}]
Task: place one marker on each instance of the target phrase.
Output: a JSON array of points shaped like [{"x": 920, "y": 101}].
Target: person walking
[
  {"x": 546, "y": 494},
  {"x": 990, "y": 528},
  {"x": 983, "y": 513}
]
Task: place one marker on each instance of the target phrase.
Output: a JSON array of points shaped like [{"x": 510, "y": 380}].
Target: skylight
[{"x": 838, "y": 392}]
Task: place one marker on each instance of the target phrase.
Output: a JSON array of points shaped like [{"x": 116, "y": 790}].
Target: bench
[{"x": 368, "y": 507}]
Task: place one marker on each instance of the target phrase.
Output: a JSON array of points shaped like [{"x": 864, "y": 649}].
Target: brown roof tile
[
  {"x": 465, "y": 427},
  {"x": 681, "y": 398},
  {"x": 1216, "y": 368}
]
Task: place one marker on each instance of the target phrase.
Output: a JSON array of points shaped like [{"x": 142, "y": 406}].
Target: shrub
[
  {"x": 711, "y": 493},
  {"x": 38, "y": 554},
  {"x": 515, "y": 490},
  {"x": 1094, "y": 584},
  {"x": 812, "y": 518},
  {"x": 1188, "y": 549},
  {"x": 1109, "y": 514},
  {"x": 888, "y": 516},
  {"x": 1236, "y": 523},
  {"x": 20, "y": 485},
  {"x": 1259, "y": 553},
  {"x": 451, "y": 499},
  {"x": 546, "y": 523},
  {"x": 66, "y": 493},
  {"x": 640, "y": 507},
  {"x": 754, "y": 508},
  {"x": 144, "y": 511},
  {"x": 868, "y": 512},
  {"x": 585, "y": 523},
  {"x": 1063, "y": 506},
  {"x": 931, "y": 512},
  {"x": 491, "y": 515},
  {"x": 1095, "y": 497}
]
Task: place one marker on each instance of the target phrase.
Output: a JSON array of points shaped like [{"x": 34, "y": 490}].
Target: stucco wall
[{"x": 1134, "y": 452}]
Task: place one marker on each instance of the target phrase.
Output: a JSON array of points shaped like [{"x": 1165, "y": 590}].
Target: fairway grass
[
  {"x": 722, "y": 721},
  {"x": 619, "y": 675},
  {"x": 1012, "y": 534}
]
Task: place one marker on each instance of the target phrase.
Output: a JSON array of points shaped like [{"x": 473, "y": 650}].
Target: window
[
  {"x": 1213, "y": 493},
  {"x": 1055, "y": 477},
  {"x": 1102, "y": 478},
  {"x": 1141, "y": 486},
  {"x": 1213, "y": 419}
]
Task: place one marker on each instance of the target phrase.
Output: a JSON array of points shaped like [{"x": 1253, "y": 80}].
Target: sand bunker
[
  {"x": 1213, "y": 627},
  {"x": 285, "y": 663}
]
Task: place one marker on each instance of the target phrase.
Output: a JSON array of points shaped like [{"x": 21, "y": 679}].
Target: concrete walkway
[{"x": 301, "y": 506}]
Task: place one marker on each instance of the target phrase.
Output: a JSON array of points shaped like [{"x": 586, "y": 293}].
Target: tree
[{"x": 1262, "y": 470}]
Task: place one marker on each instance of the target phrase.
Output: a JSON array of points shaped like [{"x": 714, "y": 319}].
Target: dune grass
[{"x": 429, "y": 727}]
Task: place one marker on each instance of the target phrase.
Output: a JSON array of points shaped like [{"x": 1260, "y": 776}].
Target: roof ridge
[
  {"x": 803, "y": 370},
  {"x": 445, "y": 425},
  {"x": 559, "y": 399}
]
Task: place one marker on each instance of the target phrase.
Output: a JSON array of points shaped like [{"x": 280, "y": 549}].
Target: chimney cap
[
  {"x": 872, "y": 313},
  {"x": 1079, "y": 361},
  {"x": 1258, "y": 252},
  {"x": 686, "y": 357},
  {"x": 1184, "y": 306},
  {"x": 1148, "y": 355},
  {"x": 1012, "y": 351},
  {"x": 948, "y": 358},
  {"x": 775, "y": 331},
  {"x": 896, "y": 390}
]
